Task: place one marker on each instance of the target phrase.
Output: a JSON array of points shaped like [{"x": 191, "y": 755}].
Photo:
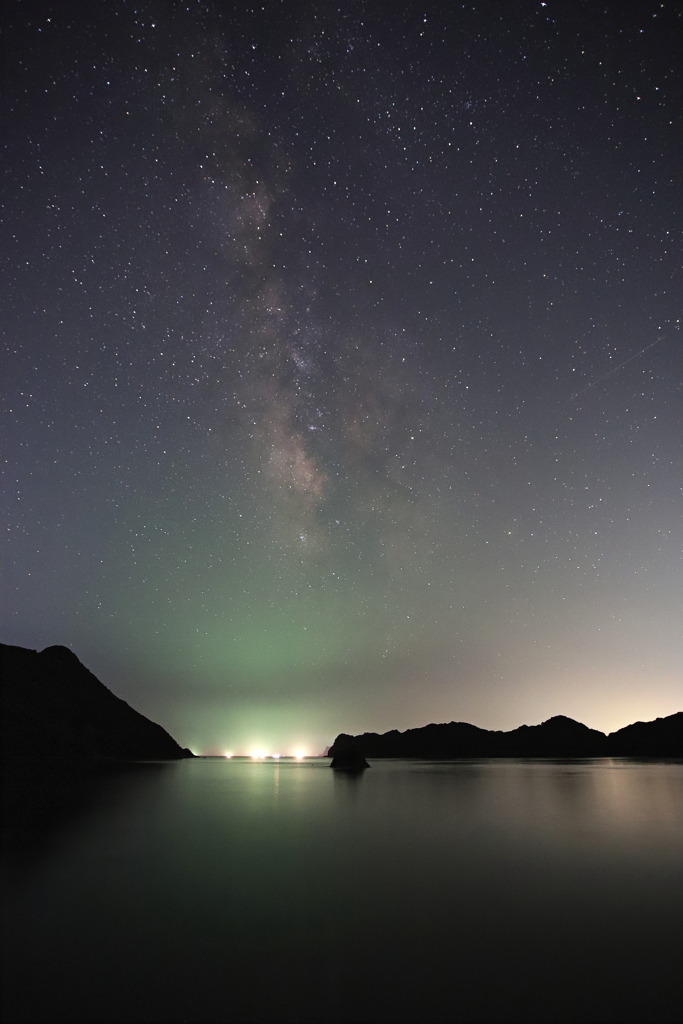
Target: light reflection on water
[{"x": 235, "y": 890}]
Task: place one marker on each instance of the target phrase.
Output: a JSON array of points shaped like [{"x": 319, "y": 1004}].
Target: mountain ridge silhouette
[
  {"x": 53, "y": 706},
  {"x": 558, "y": 736}
]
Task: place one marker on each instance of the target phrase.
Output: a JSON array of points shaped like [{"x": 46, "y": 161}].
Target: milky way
[{"x": 342, "y": 378}]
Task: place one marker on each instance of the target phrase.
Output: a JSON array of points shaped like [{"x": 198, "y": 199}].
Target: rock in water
[
  {"x": 52, "y": 706},
  {"x": 348, "y": 757}
]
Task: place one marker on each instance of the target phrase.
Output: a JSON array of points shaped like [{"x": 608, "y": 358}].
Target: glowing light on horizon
[{"x": 299, "y": 755}]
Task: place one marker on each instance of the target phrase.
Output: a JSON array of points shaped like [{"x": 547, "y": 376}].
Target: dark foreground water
[{"x": 211, "y": 890}]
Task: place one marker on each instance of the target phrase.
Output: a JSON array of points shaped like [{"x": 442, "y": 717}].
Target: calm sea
[{"x": 215, "y": 890}]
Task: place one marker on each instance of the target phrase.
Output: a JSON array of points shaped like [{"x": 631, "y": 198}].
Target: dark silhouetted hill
[
  {"x": 52, "y": 706},
  {"x": 661, "y": 738},
  {"x": 558, "y": 737}
]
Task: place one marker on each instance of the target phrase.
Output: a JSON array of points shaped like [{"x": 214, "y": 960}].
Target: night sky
[{"x": 342, "y": 360}]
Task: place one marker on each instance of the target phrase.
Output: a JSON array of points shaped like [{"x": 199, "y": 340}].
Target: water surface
[{"x": 214, "y": 890}]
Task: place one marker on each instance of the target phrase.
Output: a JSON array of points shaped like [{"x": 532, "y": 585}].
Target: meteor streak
[{"x": 606, "y": 375}]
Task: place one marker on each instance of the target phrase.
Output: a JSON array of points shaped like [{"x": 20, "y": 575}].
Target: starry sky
[{"x": 342, "y": 360}]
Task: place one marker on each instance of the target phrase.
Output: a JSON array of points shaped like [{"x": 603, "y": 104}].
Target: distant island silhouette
[
  {"x": 52, "y": 706},
  {"x": 557, "y": 737}
]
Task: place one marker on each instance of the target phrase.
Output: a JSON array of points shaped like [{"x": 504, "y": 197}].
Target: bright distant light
[
  {"x": 275, "y": 756},
  {"x": 228, "y": 756},
  {"x": 257, "y": 755},
  {"x": 299, "y": 755}
]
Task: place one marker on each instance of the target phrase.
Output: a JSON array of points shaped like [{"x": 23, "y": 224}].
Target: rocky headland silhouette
[
  {"x": 52, "y": 706},
  {"x": 557, "y": 737}
]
